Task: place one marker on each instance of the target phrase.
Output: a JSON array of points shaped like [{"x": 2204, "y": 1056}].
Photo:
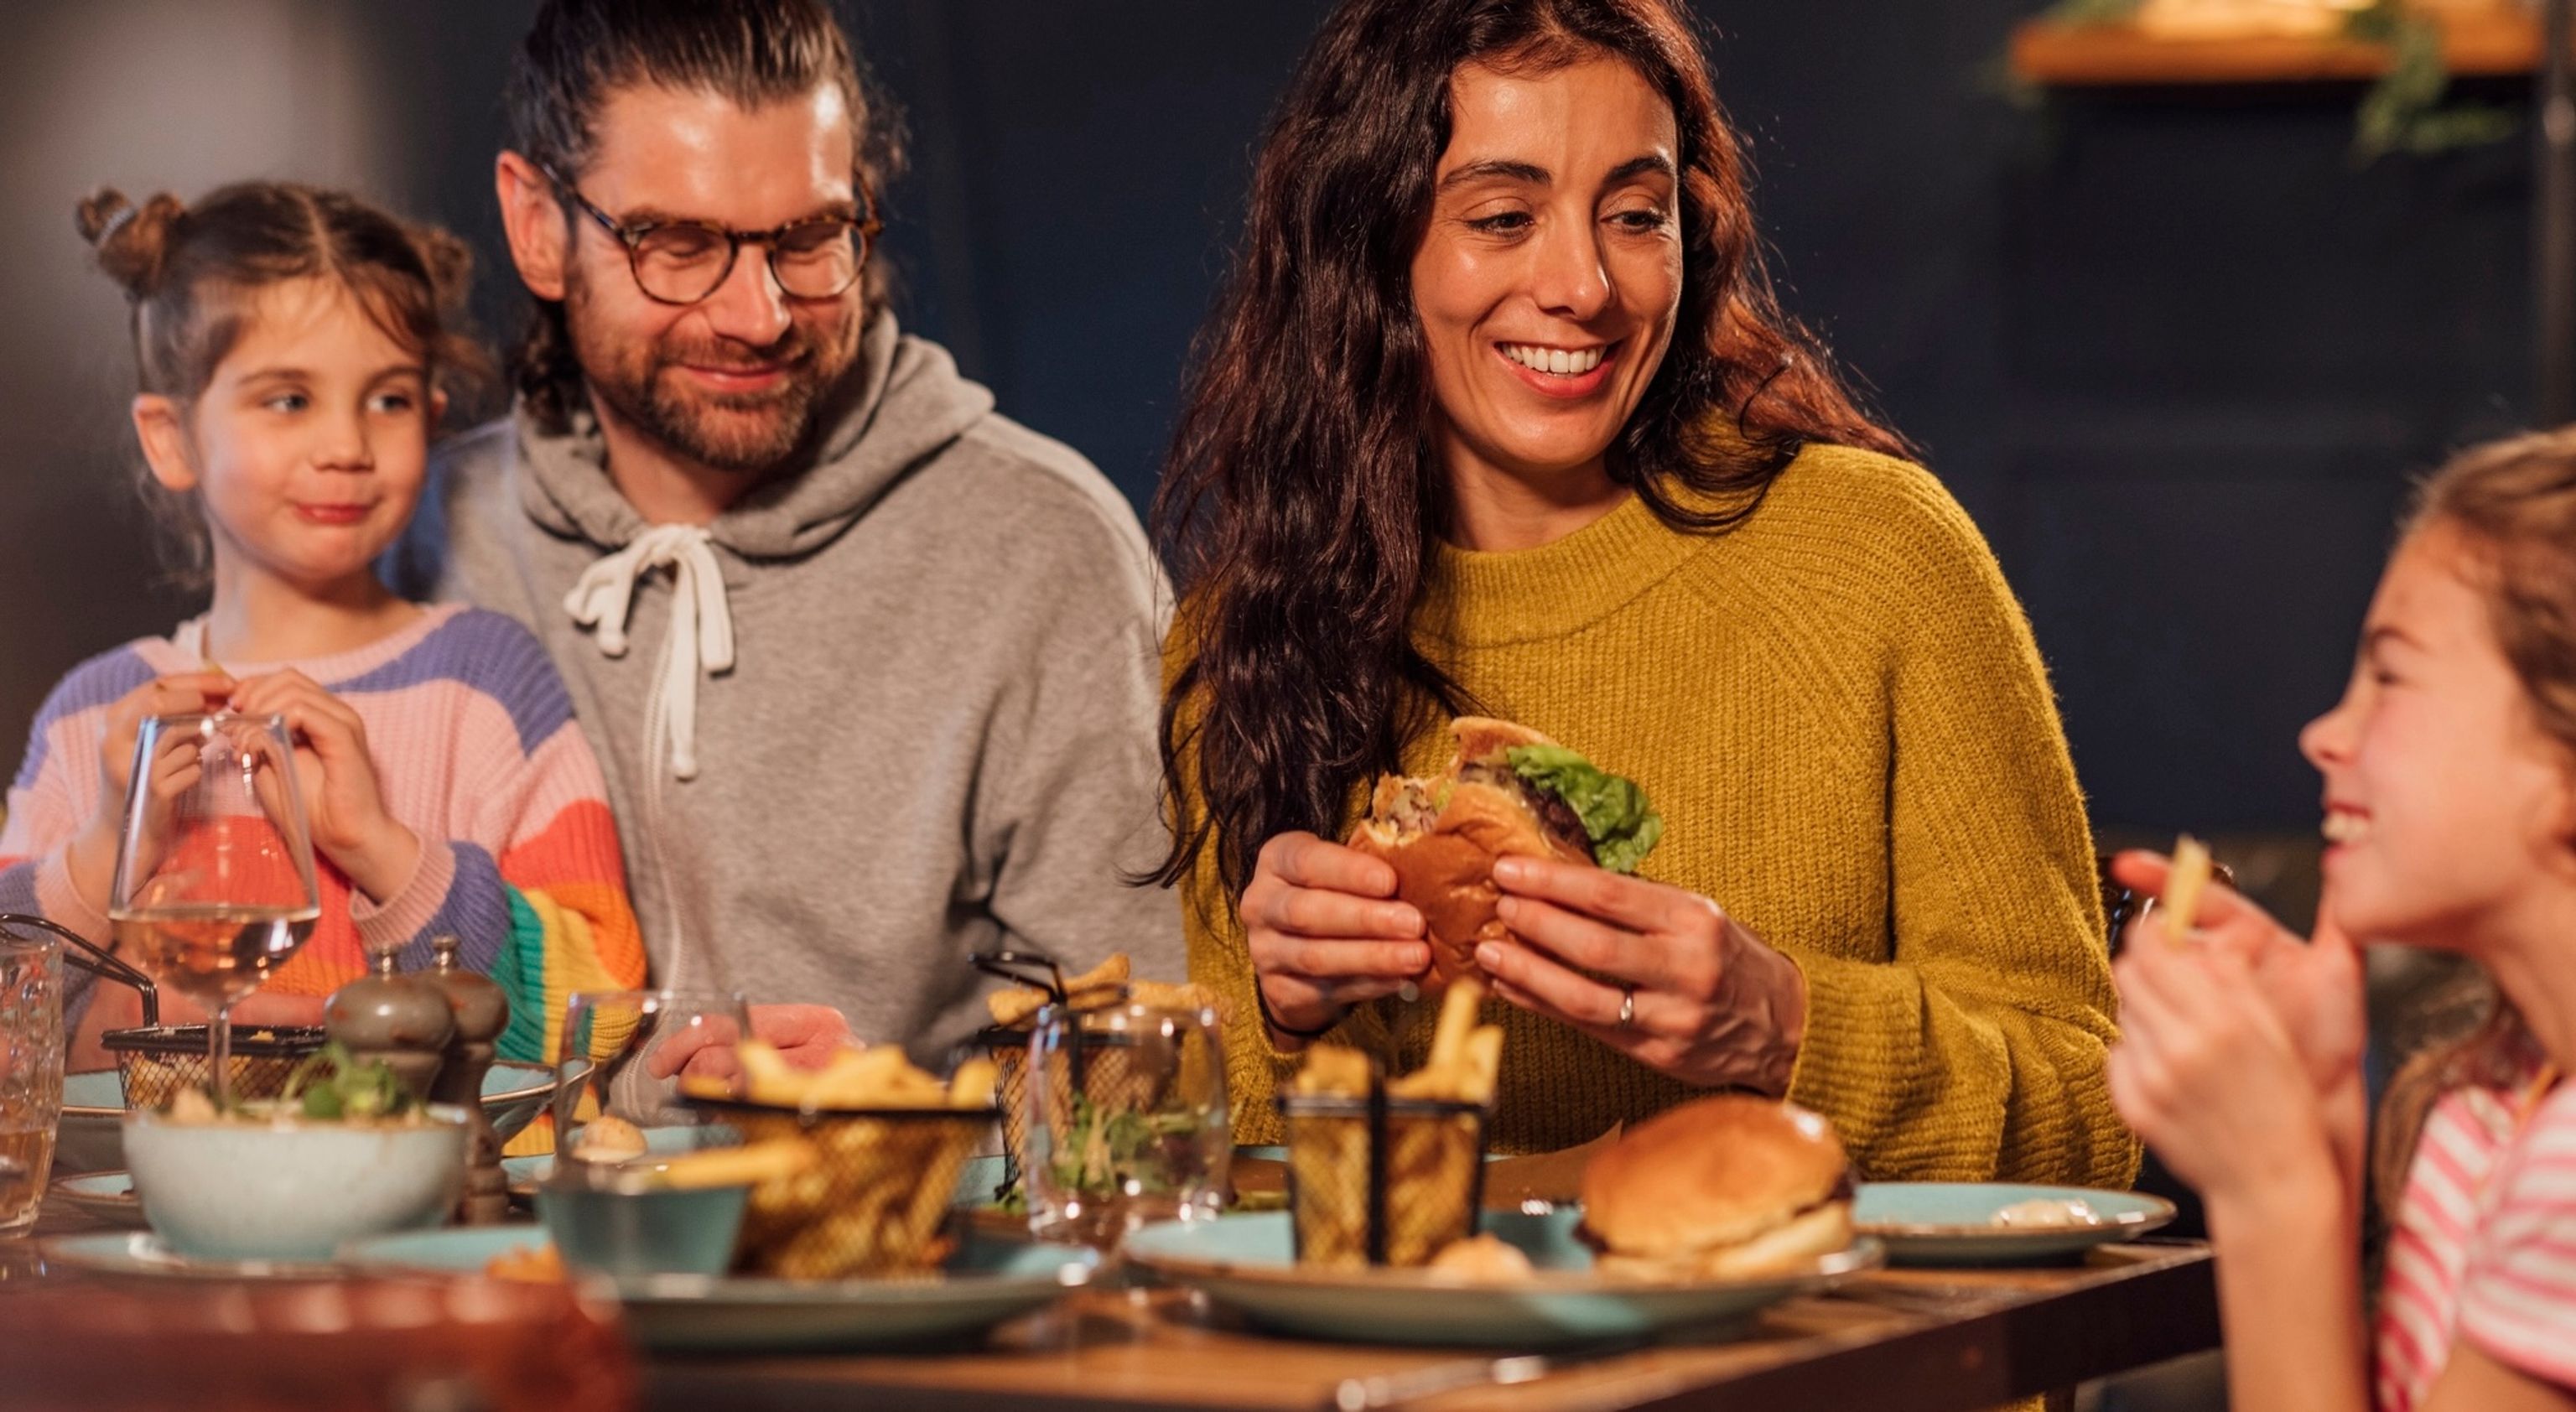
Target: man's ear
[
  {"x": 437, "y": 407},
  {"x": 534, "y": 221},
  {"x": 162, "y": 426}
]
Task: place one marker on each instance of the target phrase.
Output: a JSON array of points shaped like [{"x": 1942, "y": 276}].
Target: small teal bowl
[
  {"x": 292, "y": 1190},
  {"x": 627, "y": 1230}
]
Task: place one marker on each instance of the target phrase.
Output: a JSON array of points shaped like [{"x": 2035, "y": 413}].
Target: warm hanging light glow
[{"x": 2245, "y": 19}]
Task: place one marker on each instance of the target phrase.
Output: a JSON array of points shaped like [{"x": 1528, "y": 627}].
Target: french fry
[
  {"x": 775, "y": 1160},
  {"x": 1332, "y": 1071},
  {"x": 1103, "y": 984},
  {"x": 1483, "y": 1063},
  {"x": 973, "y": 1084},
  {"x": 1457, "y": 1020},
  {"x": 2183, "y": 886}
]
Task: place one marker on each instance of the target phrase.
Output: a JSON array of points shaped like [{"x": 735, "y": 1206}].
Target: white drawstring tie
[{"x": 700, "y": 637}]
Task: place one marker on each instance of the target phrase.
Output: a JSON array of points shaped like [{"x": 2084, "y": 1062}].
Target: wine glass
[
  {"x": 214, "y": 871},
  {"x": 624, "y": 1052}
]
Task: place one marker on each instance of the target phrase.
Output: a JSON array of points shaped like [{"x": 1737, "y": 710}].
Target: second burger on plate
[{"x": 1726, "y": 1187}]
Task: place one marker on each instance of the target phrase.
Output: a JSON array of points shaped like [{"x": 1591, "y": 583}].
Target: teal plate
[
  {"x": 1953, "y": 1223},
  {"x": 106, "y": 1197},
  {"x": 986, "y": 1283},
  {"x": 1247, "y": 1263},
  {"x": 91, "y": 1139},
  {"x": 142, "y": 1253}
]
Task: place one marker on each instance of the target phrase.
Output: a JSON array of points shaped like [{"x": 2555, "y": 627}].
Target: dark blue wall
[{"x": 2175, "y": 352}]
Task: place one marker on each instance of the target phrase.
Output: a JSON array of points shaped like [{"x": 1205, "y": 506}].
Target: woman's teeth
[
  {"x": 1562, "y": 362},
  {"x": 2346, "y": 828}
]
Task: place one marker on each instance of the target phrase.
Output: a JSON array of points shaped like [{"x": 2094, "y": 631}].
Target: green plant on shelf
[{"x": 2404, "y": 111}]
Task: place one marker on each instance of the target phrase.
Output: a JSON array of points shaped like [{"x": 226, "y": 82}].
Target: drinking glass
[
  {"x": 1127, "y": 1120},
  {"x": 214, "y": 872},
  {"x": 31, "y": 1072},
  {"x": 624, "y": 1052}
]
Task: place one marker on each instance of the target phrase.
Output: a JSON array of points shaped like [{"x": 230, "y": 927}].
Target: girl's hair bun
[
  {"x": 449, "y": 262},
  {"x": 132, "y": 242}
]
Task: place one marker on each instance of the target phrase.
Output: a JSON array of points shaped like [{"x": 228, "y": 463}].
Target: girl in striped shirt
[
  {"x": 2450, "y": 815},
  {"x": 292, "y": 344}
]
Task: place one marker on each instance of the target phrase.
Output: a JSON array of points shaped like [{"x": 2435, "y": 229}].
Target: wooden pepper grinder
[
  {"x": 482, "y": 1011},
  {"x": 403, "y": 1020}
]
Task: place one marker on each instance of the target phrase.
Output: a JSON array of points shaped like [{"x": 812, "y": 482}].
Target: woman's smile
[{"x": 1565, "y": 372}]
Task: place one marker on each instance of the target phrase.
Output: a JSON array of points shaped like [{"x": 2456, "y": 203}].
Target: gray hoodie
[{"x": 935, "y": 734}]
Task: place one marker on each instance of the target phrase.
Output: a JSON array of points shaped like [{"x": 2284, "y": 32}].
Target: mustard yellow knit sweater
[{"x": 1841, "y": 714}]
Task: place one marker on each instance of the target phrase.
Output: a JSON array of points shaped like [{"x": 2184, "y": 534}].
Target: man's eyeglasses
[{"x": 682, "y": 262}]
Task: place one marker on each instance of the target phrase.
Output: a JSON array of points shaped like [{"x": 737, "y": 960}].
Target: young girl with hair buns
[
  {"x": 294, "y": 348},
  {"x": 2450, "y": 815}
]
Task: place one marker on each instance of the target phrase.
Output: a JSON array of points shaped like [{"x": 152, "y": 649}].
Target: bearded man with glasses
[{"x": 891, "y": 694}]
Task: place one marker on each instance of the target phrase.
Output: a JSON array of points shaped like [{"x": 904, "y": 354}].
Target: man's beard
[{"x": 745, "y": 433}]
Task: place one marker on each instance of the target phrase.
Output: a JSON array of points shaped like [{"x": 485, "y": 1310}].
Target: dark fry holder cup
[
  {"x": 1403, "y": 1223},
  {"x": 1009, "y": 1047}
]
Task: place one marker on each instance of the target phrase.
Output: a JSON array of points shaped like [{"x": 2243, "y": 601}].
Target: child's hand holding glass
[{"x": 343, "y": 798}]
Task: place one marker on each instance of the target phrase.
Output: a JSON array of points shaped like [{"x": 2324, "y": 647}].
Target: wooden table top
[
  {"x": 1894, "y": 1341},
  {"x": 1891, "y": 1341}
]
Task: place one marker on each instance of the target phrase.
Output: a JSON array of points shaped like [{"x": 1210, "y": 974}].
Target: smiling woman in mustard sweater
[{"x": 1587, "y": 477}]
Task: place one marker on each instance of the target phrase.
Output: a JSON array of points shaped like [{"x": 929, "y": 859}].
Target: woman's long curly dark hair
[{"x": 1302, "y": 493}]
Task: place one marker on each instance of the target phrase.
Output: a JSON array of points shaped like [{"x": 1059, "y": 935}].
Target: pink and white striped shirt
[{"x": 2485, "y": 1245}]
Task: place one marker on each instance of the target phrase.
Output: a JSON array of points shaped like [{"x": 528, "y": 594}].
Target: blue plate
[
  {"x": 1953, "y": 1223},
  {"x": 142, "y": 1253},
  {"x": 1247, "y": 1263},
  {"x": 105, "y": 1197},
  {"x": 985, "y": 1283}
]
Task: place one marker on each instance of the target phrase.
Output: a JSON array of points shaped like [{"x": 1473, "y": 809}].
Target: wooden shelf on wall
[{"x": 2106, "y": 55}]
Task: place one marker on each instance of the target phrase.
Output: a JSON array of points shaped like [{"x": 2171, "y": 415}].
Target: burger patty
[{"x": 1556, "y": 818}]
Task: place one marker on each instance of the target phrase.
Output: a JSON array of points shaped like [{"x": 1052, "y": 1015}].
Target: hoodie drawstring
[{"x": 700, "y": 637}]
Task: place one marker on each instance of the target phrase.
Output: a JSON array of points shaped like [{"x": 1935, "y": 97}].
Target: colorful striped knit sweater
[{"x": 476, "y": 752}]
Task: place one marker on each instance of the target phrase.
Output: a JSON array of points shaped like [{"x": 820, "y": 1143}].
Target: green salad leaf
[
  {"x": 348, "y": 1090},
  {"x": 1623, "y": 826}
]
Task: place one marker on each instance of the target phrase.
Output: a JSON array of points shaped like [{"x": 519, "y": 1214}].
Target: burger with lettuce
[{"x": 1508, "y": 791}]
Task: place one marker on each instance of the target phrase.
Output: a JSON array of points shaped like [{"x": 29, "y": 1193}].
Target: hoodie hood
[{"x": 904, "y": 402}]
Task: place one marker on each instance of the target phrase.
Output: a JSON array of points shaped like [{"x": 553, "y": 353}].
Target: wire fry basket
[
  {"x": 154, "y": 1060},
  {"x": 157, "y": 1061},
  {"x": 1009, "y": 1047},
  {"x": 1374, "y": 1180},
  {"x": 875, "y": 1203}
]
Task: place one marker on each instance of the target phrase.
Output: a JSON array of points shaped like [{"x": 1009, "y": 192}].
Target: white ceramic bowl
[{"x": 241, "y": 1191}]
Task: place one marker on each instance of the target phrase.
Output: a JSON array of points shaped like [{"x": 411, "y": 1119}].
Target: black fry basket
[
  {"x": 1374, "y": 1180},
  {"x": 157, "y": 1060},
  {"x": 1103, "y": 1079}
]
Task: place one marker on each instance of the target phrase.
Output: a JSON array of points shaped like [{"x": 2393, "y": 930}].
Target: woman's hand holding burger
[
  {"x": 1704, "y": 1000},
  {"x": 1326, "y": 934}
]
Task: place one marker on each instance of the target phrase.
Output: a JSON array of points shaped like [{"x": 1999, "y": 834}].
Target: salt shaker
[
  {"x": 402, "y": 1020},
  {"x": 482, "y": 1011}
]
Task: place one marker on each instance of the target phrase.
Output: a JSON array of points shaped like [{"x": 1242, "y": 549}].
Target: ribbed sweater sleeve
[
  {"x": 1978, "y": 1047},
  {"x": 54, "y": 795},
  {"x": 538, "y": 895}
]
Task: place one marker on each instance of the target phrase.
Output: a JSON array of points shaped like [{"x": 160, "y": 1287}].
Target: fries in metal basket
[
  {"x": 854, "y": 1162},
  {"x": 1104, "y": 984},
  {"x": 2183, "y": 886},
  {"x": 1430, "y": 1161}
]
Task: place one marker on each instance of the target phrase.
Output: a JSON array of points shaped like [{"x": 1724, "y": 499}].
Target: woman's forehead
[{"x": 1574, "y": 120}]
